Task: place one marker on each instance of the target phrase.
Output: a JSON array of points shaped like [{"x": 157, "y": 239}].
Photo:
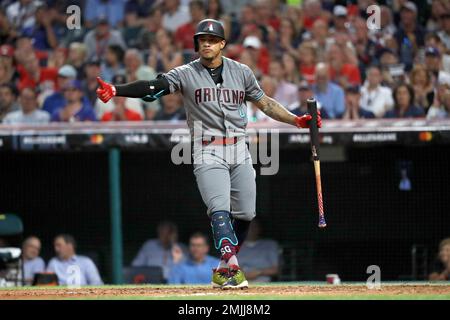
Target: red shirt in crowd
[
  {"x": 350, "y": 71},
  {"x": 47, "y": 79},
  {"x": 184, "y": 35},
  {"x": 130, "y": 115},
  {"x": 308, "y": 73}
]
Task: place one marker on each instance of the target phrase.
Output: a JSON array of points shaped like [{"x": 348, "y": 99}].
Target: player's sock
[
  {"x": 241, "y": 229},
  {"x": 222, "y": 264},
  {"x": 233, "y": 261},
  {"x": 224, "y": 237}
]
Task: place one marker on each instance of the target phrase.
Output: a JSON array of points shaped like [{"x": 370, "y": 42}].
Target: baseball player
[{"x": 215, "y": 90}]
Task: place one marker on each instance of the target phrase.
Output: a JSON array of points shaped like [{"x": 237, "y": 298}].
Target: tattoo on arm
[{"x": 275, "y": 110}]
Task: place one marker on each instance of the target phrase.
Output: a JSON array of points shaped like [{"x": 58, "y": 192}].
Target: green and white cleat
[
  {"x": 236, "y": 280},
  {"x": 219, "y": 277}
]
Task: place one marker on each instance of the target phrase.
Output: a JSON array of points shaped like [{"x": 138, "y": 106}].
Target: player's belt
[{"x": 220, "y": 141}]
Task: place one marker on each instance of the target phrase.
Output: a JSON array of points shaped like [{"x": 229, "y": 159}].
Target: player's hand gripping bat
[{"x": 314, "y": 135}]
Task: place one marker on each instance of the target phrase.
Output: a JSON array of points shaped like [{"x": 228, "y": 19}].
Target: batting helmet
[{"x": 208, "y": 26}]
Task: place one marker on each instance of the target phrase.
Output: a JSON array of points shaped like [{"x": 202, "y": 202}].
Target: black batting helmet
[{"x": 208, "y": 26}]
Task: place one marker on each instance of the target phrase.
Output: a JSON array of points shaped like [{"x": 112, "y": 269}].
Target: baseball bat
[{"x": 314, "y": 137}]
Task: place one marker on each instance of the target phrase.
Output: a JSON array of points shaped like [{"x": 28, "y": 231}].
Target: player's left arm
[{"x": 275, "y": 110}]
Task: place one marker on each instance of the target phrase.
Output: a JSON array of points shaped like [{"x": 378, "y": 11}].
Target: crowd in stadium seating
[
  {"x": 176, "y": 262},
  {"x": 306, "y": 47}
]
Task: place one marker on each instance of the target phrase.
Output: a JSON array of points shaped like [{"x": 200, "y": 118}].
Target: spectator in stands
[
  {"x": 98, "y": 40},
  {"x": 161, "y": 251},
  {"x": 163, "y": 54},
  {"x": 7, "y": 31},
  {"x": 32, "y": 262},
  {"x": 112, "y": 63},
  {"x": 77, "y": 58},
  {"x": 444, "y": 34},
  {"x": 421, "y": 80},
  {"x": 132, "y": 28},
  {"x": 172, "y": 109},
  {"x": 328, "y": 94},
  {"x": 340, "y": 19},
  {"x": 258, "y": 53},
  {"x": 375, "y": 97},
  {"x": 152, "y": 24},
  {"x": 364, "y": 46},
  {"x": 21, "y": 13},
  {"x": 404, "y": 107},
  {"x": 42, "y": 32},
  {"x": 410, "y": 34},
  {"x": 291, "y": 66},
  {"x": 56, "y": 100},
  {"x": 76, "y": 107},
  {"x": 433, "y": 61},
  {"x": 312, "y": 12},
  {"x": 300, "y": 107},
  {"x": 196, "y": 268},
  {"x": 5, "y": 76},
  {"x": 10, "y": 73},
  {"x": 29, "y": 112},
  {"x": 441, "y": 106},
  {"x": 286, "y": 92},
  {"x": 247, "y": 21},
  {"x": 34, "y": 76},
  {"x": 341, "y": 73},
  {"x": 307, "y": 59},
  {"x": 112, "y": 10},
  {"x": 120, "y": 108},
  {"x": 441, "y": 266},
  {"x": 175, "y": 15},
  {"x": 438, "y": 9},
  {"x": 288, "y": 39},
  {"x": 320, "y": 38},
  {"x": 184, "y": 34},
  {"x": 259, "y": 258},
  {"x": 8, "y": 99},
  {"x": 214, "y": 10},
  {"x": 57, "y": 58},
  {"x": 392, "y": 71},
  {"x": 90, "y": 84},
  {"x": 71, "y": 268},
  {"x": 353, "y": 110},
  {"x": 136, "y": 70},
  {"x": 140, "y": 7}
]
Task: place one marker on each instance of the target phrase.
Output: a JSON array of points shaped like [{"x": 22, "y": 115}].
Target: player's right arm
[{"x": 147, "y": 90}]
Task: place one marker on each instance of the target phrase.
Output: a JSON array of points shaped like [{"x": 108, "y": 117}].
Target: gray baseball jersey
[
  {"x": 224, "y": 173},
  {"x": 221, "y": 108}
]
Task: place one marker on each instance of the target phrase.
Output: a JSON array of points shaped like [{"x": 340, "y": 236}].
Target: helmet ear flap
[{"x": 196, "y": 43}]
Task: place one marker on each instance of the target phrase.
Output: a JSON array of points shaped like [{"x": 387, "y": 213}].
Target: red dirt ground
[{"x": 272, "y": 290}]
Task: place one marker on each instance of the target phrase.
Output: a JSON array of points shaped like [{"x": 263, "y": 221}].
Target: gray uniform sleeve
[
  {"x": 173, "y": 76},
  {"x": 253, "y": 92}
]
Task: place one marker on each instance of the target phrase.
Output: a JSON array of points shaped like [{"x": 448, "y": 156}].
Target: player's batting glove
[
  {"x": 105, "y": 91},
  {"x": 303, "y": 121}
]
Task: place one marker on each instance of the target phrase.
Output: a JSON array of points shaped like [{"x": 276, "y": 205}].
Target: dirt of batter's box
[{"x": 272, "y": 290}]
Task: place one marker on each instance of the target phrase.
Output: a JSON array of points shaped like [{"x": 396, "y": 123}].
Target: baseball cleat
[
  {"x": 236, "y": 280},
  {"x": 219, "y": 277}
]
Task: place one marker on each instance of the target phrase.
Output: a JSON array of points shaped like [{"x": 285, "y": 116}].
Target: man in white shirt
[
  {"x": 175, "y": 15},
  {"x": 375, "y": 97},
  {"x": 29, "y": 112},
  {"x": 32, "y": 262}
]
